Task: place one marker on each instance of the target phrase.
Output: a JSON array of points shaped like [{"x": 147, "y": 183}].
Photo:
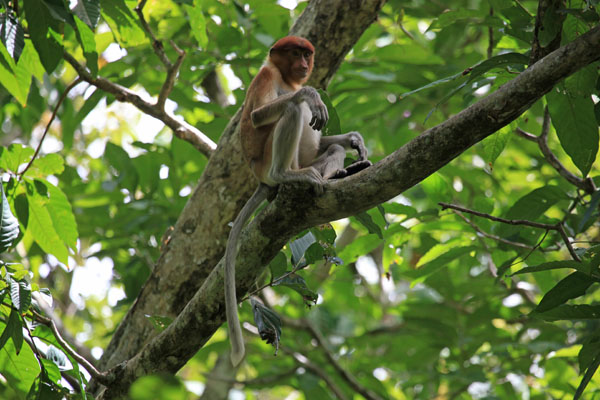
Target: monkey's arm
[
  {"x": 349, "y": 141},
  {"x": 272, "y": 111}
]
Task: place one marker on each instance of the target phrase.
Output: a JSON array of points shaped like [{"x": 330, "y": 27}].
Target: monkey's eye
[
  {"x": 307, "y": 54},
  {"x": 296, "y": 53}
]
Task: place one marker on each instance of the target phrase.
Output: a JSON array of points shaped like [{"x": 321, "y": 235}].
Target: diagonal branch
[{"x": 181, "y": 129}]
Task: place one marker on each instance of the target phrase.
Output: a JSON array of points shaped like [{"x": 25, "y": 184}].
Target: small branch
[
  {"x": 63, "y": 96},
  {"x": 556, "y": 227},
  {"x": 157, "y": 45},
  {"x": 489, "y": 235},
  {"x": 99, "y": 376},
  {"x": 171, "y": 76},
  {"x": 586, "y": 185},
  {"x": 181, "y": 129},
  {"x": 315, "y": 369},
  {"x": 347, "y": 376}
]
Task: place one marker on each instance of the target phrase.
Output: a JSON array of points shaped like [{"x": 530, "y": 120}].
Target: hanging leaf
[
  {"x": 88, "y": 11},
  {"x": 45, "y": 32},
  {"x": 298, "y": 248},
  {"x": 9, "y": 226},
  {"x": 297, "y": 283},
  {"x": 278, "y": 265},
  {"x": 20, "y": 295},
  {"x": 579, "y": 266},
  {"x": 11, "y": 34},
  {"x": 589, "y": 373},
  {"x": 268, "y": 323}
]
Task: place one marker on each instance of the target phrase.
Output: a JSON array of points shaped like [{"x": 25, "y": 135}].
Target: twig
[
  {"x": 347, "y": 376},
  {"x": 100, "y": 376},
  {"x": 182, "y": 130},
  {"x": 556, "y": 227},
  {"x": 62, "y": 97},
  {"x": 159, "y": 50},
  {"x": 586, "y": 185},
  {"x": 315, "y": 369}
]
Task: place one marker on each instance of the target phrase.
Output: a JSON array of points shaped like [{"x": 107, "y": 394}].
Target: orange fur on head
[{"x": 294, "y": 71}]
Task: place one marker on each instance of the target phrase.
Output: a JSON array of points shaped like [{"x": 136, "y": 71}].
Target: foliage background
[{"x": 423, "y": 306}]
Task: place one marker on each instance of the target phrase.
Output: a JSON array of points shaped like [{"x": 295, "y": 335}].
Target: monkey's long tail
[{"x": 233, "y": 322}]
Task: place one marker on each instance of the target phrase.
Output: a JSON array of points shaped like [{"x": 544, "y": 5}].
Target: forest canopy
[{"x": 463, "y": 264}]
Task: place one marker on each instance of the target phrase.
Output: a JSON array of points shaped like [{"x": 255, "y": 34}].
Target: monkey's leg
[
  {"x": 331, "y": 162},
  {"x": 286, "y": 139}
]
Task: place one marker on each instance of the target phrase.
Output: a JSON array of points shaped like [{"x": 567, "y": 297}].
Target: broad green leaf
[
  {"x": 552, "y": 24},
  {"x": 20, "y": 295},
  {"x": 160, "y": 323},
  {"x": 42, "y": 229},
  {"x": 88, "y": 11},
  {"x": 62, "y": 216},
  {"x": 576, "y": 127},
  {"x": 494, "y": 145},
  {"x": 450, "y": 17},
  {"x": 119, "y": 159},
  {"x": 45, "y": 33},
  {"x": 367, "y": 221},
  {"x": 324, "y": 233},
  {"x": 9, "y": 78},
  {"x": 278, "y": 265},
  {"x": 19, "y": 369},
  {"x": 299, "y": 246},
  {"x": 85, "y": 36},
  {"x": 570, "y": 312},
  {"x": 11, "y": 35},
  {"x": 436, "y": 187},
  {"x": 314, "y": 253},
  {"x": 583, "y": 82},
  {"x": 579, "y": 266},
  {"x": 197, "y": 24},
  {"x": 12, "y": 329},
  {"x": 439, "y": 262},
  {"x": 30, "y": 60},
  {"x": 592, "y": 208},
  {"x": 268, "y": 323},
  {"x": 298, "y": 284},
  {"x": 568, "y": 288},
  {"x": 124, "y": 25},
  {"x": 50, "y": 164},
  {"x": 359, "y": 247},
  {"x": 535, "y": 203},
  {"x": 9, "y": 225}
]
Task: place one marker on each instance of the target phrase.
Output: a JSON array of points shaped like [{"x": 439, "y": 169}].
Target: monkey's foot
[
  {"x": 351, "y": 169},
  {"x": 357, "y": 166}
]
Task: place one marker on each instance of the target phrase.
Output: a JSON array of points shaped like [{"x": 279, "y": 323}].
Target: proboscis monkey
[{"x": 281, "y": 140}]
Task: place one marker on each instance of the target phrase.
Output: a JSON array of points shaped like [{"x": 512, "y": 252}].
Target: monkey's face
[{"x": 301, "y": 63}]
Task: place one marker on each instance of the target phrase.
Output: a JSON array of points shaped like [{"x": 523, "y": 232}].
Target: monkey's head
[{"x": 293, "y": 56}]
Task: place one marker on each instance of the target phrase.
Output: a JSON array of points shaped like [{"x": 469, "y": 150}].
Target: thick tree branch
[{"x": 181, "y": 129}]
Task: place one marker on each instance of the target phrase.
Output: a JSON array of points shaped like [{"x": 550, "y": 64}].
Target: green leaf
[
  {"x": 579, "y": 266},
  {"x": 592, "y": 208},
  {"x": 551, "y": 25},
  {"x": 278, "y": 265},
  {"x": 494, "y": 145},
  {"x": 50, "y": 164},
  {"x": 440, "y": 262},
  {"x": 568, "y": 288},
  {"x": 20, "y": 295},
  {"x": 85, "y": 36},
  {"x": 583, "y": 82},
  {"x": 45, "y": 33},
  {"x": 9, "y": 225},
  {"x": 124, "y": 25},
  {"x": 268, "y": 323},
  {"x": 359, "y": 247},
  {"x": 119, "y": 159},
  {"x": 576, "y": 127},
  {"x": 197, "y": 23},
  {"x": 11, "y": 35},
  {"x": 62, "y": 216},
  {"x": 298, "y": 284},
  {"x": 535, "y": 203},
  {"x": 589, "y": 373},
  {"x": 42, "y": 229},
  {"x": 569, "y": 312},
  {"x": 9, "y": 78},
  {"x": 12, "y": 329},
  {"x": 20, "y": 369},
  {"x": 299, "y": 246},
  {"x": 367, "y": 221},
  {"x": 30, "y": 60},
  {"x": 88, "y": 11}
]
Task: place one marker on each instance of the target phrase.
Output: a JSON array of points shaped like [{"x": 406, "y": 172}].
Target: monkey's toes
[{"x": 357, "y": 166}]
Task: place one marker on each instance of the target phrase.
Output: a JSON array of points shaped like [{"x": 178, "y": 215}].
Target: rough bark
[
  {"x": 198, "y": 240},
  {"x": 295, "y": 209}
]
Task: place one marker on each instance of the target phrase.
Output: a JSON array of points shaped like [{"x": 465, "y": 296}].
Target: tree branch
[{"x": 181, "y": 129}]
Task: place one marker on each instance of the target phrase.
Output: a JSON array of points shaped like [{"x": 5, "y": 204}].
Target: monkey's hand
[
  {"x": 357, "y": 143},
  {"x": 318, "y": 110}
]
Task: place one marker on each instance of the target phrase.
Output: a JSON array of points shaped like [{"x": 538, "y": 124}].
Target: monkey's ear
[{"x": 268, "y": 323}]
